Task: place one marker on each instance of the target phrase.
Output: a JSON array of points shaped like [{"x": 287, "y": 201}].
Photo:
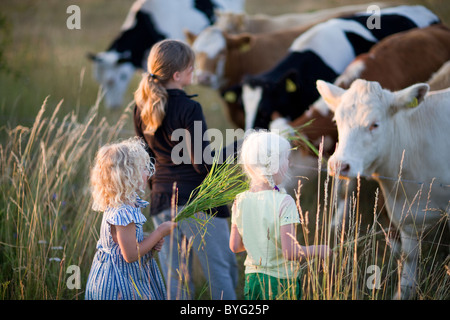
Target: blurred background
[{"x": 40, "y": 56}]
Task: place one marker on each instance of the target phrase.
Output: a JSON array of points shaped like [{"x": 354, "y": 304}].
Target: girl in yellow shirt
[{"x": 264, "y": 221}]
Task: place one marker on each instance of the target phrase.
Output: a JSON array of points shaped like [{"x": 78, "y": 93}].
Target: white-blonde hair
[
  {"x": 116, "y": 176},
  {"x": 262, "y": 153}
]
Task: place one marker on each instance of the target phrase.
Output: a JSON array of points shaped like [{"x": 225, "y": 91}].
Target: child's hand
[
  {"x": 323, "y": 251},
  {"x": 159, "y": 245},
  {"x": 166, "y": 228}
]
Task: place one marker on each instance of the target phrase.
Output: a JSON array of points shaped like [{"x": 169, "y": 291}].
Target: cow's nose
[
  {"x": 204, "y": 78},
  {"x": 345, "y": 169},
  {"x": 342, "y": 168},
  {"x": 109, "y": 83}
]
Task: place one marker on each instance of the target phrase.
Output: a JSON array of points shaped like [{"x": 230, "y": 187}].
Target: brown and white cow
[
  {"x": 391, "y": 134},
  {"x": 401, "y": 59},
  {"x": 223, "y": 59}
]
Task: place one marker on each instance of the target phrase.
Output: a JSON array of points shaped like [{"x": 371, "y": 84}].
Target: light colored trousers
[{"x": 210, "y": 242}]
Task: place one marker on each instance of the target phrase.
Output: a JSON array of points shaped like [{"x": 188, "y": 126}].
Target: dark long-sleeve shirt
[{"x": 184, "y": 116}]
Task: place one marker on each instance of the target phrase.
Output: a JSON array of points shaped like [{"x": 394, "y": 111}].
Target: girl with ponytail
[
  {"x": 162, "y": 106},
  {"x": 167, "y": 60}
]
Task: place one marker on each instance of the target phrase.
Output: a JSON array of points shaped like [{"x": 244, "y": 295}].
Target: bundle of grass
[{"x": 220, "y": 187}]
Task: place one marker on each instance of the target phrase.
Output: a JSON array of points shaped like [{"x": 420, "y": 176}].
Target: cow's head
[
  {"x": 231, "y": 22},
  {"x": 262, "y": 96},
  {"x": 364, "y": 117},
  {"x": 211, "y": 47},
  {"x": 113, "y": 70}
]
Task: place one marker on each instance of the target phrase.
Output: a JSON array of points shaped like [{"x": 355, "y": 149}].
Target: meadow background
[{"x": 52, "y": 122}]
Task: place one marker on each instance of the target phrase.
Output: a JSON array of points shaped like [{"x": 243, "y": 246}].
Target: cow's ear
[
  {"x": 409, "y": 97},
  {"x": 289, "y": 81},
  {"x": 330, "y": 93},
  {"x": 190, "y": 37},
  {"x": 240, "y": 21},
  {"x": 242, "y": 41}
]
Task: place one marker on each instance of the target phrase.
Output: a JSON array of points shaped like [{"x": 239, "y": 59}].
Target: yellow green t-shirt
[{"x": 258, "y": 217}]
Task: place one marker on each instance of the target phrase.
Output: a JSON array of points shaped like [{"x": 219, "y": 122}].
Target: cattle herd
[{"x": 374, "y": 82}]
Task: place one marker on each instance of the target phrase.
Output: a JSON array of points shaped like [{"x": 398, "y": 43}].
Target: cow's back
[
  {"x": 441, "y": 78},
  {"x": 399, "y": 59}
]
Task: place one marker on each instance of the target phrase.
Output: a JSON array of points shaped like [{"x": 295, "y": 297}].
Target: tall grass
[
  {"x": 44, "y": 203},
  {"x": 46, "y": 221},
  {"x": 362, "y": 265},
  {"x": 47, "y": 225}
]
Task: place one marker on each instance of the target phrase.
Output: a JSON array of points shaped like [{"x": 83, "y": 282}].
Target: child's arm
[
  {"x": 292, "y": 250},
  {"x": 131, "y": 250},
  {"x": 236, "y": 244}
]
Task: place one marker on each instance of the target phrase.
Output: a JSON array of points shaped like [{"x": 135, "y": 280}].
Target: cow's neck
[
  {"x": 403, "y": 149},
  {"x": 420, "y": 137},
  {"x": 240, "y": 66}
]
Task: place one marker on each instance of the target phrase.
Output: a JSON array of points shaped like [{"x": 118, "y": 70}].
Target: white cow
[{"x": 382, "y": 132}]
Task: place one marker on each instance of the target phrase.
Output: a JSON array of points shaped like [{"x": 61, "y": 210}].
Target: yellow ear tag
[
  {"x": 414, "y": 103},
  {"x": 290, "y": 86},
  {"x": 230, "y": 97},
  {"x": 244, "y": 47}
]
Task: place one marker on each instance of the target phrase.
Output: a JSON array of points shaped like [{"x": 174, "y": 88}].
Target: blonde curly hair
[{"x": 116, "y": 176}]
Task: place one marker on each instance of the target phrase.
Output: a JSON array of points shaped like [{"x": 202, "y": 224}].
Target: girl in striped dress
[{"x": 123, "y": 266}]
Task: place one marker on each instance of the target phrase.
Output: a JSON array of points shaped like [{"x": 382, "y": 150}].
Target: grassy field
[{"x": 52, "y": 123}]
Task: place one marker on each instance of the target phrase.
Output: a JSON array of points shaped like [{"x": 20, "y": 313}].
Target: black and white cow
[
  {"x": 323, "y": 52},
  {"x": 148, "y": 22}
]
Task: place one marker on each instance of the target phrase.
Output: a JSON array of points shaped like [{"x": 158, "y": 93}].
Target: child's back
[
  {"x": 258, "y": 217},
  {"x": 264, "y": 222}
]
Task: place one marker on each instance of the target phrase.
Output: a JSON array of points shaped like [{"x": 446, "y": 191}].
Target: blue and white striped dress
[{"x": 111, "y": 277}]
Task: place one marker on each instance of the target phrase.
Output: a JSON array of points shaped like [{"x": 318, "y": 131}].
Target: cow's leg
[
  {"x": 395, "y": 242},
  {"x": 410, "y": 248}
]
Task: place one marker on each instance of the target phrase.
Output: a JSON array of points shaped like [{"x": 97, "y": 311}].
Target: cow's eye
[{"x": 373, "y": 126}]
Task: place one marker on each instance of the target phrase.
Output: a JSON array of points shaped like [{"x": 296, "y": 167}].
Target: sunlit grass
[
  {"x": 46, "y": 219},
  {"x": 45, "y": 152}
]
